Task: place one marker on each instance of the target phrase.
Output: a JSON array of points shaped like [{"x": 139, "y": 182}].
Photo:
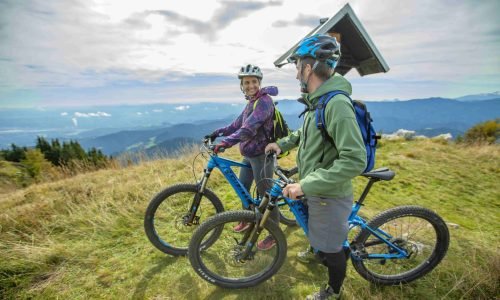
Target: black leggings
[{"x": 337, "y": 265}]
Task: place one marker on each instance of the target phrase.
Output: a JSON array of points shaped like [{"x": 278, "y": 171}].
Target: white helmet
[{"x": 250, "y": 70}]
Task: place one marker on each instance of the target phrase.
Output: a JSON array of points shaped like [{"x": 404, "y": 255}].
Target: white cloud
[
  {"x": 75, "y": 121},
  {"x": 155, "y": 41},
  {"x": 182, "y": 107},
  {"x": 91, "y": 115},
  {"x": 139, "y": 113},
  {"x": 64, "y": 114},
  {"x": 157, "y": 110}
]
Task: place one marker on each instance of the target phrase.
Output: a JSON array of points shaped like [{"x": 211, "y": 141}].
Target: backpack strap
[
  {"x": 255, "y": 104},
  {"x": 320, "y": 116},
  {"x": 273, "y": 116}
]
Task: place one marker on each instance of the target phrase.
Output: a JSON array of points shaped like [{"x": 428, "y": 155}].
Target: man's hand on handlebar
[
  {"x": 273, "y": 147},
  {"x": 293, "y": 191}
]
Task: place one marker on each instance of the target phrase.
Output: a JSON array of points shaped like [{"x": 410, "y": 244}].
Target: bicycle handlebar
[
  {"x": 289, "y": 172},
  {"x": 283, "y": 174},
  {"x": 211, "y": 146}
]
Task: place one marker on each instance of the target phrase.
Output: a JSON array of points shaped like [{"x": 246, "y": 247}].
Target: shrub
[{"x": 483, "y": 133}]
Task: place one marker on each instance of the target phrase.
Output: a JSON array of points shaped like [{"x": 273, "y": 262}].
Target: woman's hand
[
  {"x": 212, "y": 136},
  {"x": 221, "y": 147},
  {"x": 273, "y": 147}
]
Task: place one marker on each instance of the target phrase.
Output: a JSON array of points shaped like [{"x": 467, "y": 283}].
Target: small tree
[
  {"x": 43, "y": 145},
  {"x": 15, "y": 154},
  {"x": 36, "y": 165},
  {"x": 54, "y": 155}
]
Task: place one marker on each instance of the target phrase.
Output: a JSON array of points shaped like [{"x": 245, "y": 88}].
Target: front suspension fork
[
  {"x": 252, "y": 235},
  {"x": 195, "y": 204}
]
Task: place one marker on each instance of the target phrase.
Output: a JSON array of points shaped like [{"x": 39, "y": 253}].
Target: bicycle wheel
[
  {"x": 164, "y": 219},
  {"x": 219, "y": 263},
  {"x": 421, "y": 232}
]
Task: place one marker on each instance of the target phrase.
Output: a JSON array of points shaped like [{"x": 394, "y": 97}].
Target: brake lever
[{"x": 212, "y": 148}]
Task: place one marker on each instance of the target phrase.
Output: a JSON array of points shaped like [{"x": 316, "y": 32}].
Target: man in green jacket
[{"x": 326, "y": 165}]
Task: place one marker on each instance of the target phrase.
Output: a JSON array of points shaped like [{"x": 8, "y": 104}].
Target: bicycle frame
[
  {"x": 224, "y": 165},
  {"x": 300, "y": 212},
  {"x": 298, "y": 209}
]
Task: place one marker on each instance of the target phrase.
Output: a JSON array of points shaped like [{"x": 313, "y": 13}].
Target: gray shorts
[{"x": 327, "y": 223}]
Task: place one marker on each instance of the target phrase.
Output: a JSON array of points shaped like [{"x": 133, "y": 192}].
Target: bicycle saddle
[{"x": 380, "y": 173}]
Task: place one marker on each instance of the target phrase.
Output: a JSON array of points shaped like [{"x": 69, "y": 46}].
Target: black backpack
[
  {"x": 363, "y": 118},
  {"x": 280, "y": 127}
]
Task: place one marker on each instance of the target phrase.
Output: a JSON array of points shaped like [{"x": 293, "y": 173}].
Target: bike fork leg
[
  {"x": 197, "y": 197},
  {"x": 256, "y": 230}
]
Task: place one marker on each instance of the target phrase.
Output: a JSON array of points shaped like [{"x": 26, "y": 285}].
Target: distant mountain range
[
  {"x": 153, "y": 140},
  {"x": 480, "y": 97},
  {"x": 428, "y": 117},
  {"x": 166, "y": 127}
]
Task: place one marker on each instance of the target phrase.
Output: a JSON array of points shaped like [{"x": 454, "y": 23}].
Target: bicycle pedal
[
  {"x": 196, "y": 220},
  {"x": 358, "y": 254}
]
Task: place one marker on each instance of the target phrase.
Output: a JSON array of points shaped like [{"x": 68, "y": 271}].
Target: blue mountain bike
[
  {"x": 174, "y": 213},
  {"x": 397, "y": 246}
]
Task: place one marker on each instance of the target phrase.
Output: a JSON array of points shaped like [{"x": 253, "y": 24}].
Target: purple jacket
[{"x": 252, "y": 127}]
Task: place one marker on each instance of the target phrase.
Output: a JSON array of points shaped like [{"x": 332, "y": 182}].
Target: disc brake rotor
[
  {"x": 180, "y": 223},
  {"x": 233, "y": 257}
]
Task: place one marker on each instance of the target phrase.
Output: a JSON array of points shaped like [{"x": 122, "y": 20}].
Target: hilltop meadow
[{"x": 83, "y": 237}]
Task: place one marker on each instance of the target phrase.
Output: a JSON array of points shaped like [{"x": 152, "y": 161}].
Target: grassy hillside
[
  {"x": 9, "y": 176},
  {"x": 82, "y": 238}
]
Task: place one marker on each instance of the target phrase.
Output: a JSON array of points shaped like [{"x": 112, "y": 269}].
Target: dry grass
[{"x": 82, "y": 237}]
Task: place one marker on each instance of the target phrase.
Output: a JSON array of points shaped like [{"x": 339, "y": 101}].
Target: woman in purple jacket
[{"x": 252, "y": 130}]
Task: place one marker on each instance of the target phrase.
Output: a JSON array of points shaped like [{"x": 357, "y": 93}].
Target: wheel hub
[
  {"x": 182, "y": 224},
  {"x": 234, "y": 257}
]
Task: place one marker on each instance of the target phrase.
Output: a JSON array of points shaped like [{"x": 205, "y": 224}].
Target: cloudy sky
[{"x": 82, "y": 52}]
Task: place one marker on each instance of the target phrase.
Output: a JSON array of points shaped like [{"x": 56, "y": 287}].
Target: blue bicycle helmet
[{"x": 321, "y": 47}]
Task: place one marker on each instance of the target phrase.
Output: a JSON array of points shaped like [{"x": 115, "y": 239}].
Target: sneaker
[
  {"x": 324, "y": 294},
  {"x": 242, "y": 226},
  {"x": 267, "y": 243},
  {"x": 306, "y": 256}
]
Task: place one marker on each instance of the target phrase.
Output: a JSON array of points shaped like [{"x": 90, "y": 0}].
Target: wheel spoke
[
  {"x": 413, "y": 234},
  {"x": 167, "y": 215},
  {"x": 223, "y": 258},
  {"x": 169, "y": 219},
  {"x": 230, "y": 261},
  {"x": 421, "y": 233}
]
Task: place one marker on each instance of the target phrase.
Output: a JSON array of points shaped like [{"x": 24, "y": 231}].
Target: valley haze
[{"x": 165, "y": 127}]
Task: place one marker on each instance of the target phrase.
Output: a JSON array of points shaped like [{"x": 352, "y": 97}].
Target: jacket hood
[
  {"x": 268, "y": 90},
  {"x": 334, "y": 83}
]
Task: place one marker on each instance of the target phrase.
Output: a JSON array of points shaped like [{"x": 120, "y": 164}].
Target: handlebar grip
[
  {"x": 302, "y": 198},
  {"x": 219, "y": 150},
  {"x": 270, "y": 153}
]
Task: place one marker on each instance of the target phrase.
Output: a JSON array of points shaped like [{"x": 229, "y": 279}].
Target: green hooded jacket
[{"x": 344, "y": 159}]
